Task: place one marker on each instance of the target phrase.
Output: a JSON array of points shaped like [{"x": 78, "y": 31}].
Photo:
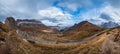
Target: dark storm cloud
[{"x": 105, "y": 17}]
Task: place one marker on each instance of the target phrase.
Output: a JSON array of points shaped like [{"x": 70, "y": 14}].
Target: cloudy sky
[{"x": 62, "y": 12}]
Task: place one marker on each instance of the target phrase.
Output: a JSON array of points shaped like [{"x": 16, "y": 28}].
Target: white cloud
[
  {"x": 60, "y": 23},
  {"x": 49, "y": 23},
  {"x": 54, "y": 13},
  {"x": 112, "y": 12},
  {"x": 93, "y": 16},
  {"x": 15, "y": 8}
]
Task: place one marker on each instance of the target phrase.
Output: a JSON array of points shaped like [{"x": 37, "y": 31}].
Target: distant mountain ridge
[
  {"x": 30, "y": 23},
  {"x": 27, "y": 26},
  {"x": 10, "y": 21},
  {"x": 109, "y": 24}
]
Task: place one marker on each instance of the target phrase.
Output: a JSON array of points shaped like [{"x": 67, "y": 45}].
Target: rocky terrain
[{"x": 33, "y": 37}]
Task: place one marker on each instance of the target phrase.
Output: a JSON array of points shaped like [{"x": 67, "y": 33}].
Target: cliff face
[
  {"x": 10, "y": 22},
  {"x": 30, "y": 23},
  {"x": 28, "y": 27}
]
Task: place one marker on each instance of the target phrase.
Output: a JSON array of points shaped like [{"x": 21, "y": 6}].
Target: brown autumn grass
[
  {"x": 112, "y": 44},
  {"x": 72, "y": 38},
  {"x": 90, "y": 47},
  {"x": 13, "y": 43},
  {"x": 18, "y": 46}
]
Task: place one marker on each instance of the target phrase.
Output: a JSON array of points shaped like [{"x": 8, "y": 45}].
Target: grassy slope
[{"x": 90, "y": 47}]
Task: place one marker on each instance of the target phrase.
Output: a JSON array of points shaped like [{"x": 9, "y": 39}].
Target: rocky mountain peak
[
  {"x": 82, "y": 30},
  {"x": 83, "y": 22},
  {"x": 10, "y": 21}
]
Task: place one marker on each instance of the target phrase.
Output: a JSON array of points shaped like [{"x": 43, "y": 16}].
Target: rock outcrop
[{"x": 10, "y": 22}]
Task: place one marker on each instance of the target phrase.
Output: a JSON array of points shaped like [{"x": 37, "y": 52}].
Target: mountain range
[
  {"x": 33, "y": 37},
  {"x": 109, "y": 24}
]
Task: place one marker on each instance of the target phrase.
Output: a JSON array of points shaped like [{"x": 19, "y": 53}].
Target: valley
[{"x": 33, "y": 37}]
